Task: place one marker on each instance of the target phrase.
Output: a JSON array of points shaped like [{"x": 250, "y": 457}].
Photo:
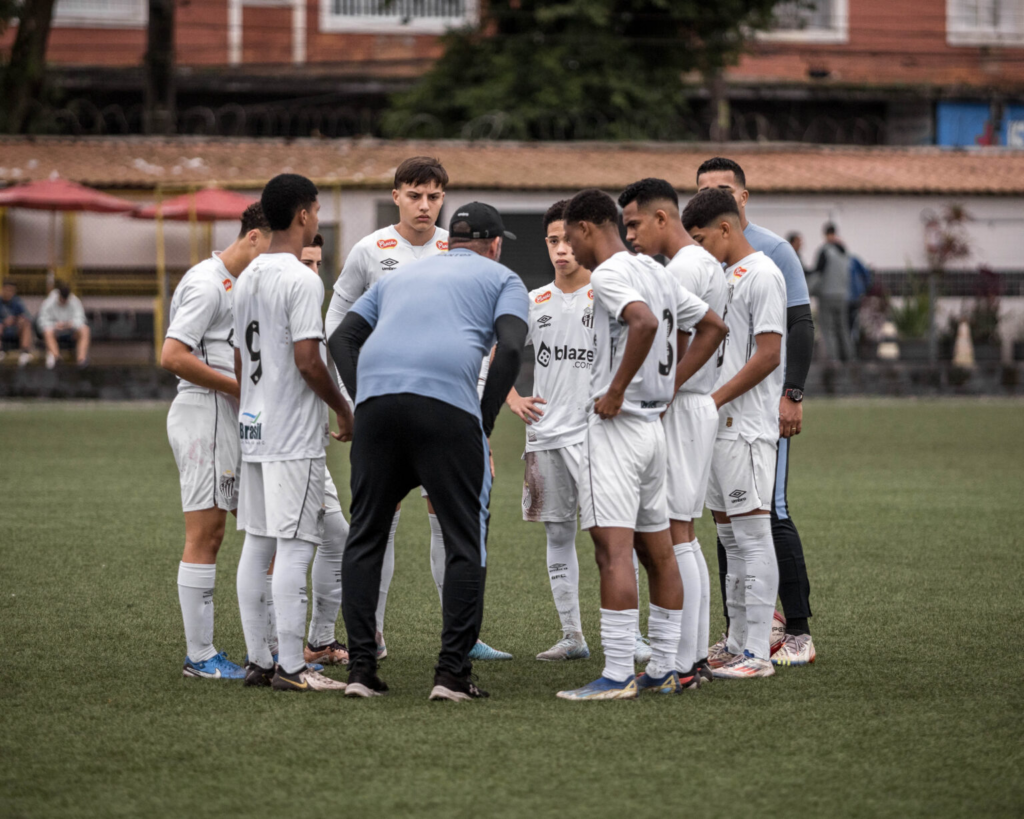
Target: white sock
[
  {"x": 327, "y": 580},
  {"x": 618, "y": 636},
  {"x": 195, "y": 594},
  {"x": 735, "y": 593},
  {"x": 252, "y": 585},
  {"x": 704, "y": 619},
  {"x": 636, "y": 573},
  {"x": 564, "y": 574},
  {"x": 437, "y": 555},
  {"x": 271, "y": 616},
  {"x": 754, "y": 540},
  {"x": 387, "y": 572},
  {"x": 663, "y": 632},
  {"x": 686, "y": 652},
  {"x": 291, "y": 600}
]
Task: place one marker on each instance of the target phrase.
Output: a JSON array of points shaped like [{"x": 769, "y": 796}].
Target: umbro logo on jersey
[
  {"x": 441, "y": 244},
  {"x": 544, "y": 321},
  {"x": 384, "y": 244},
  {"x": 389, "y": 263},
  {"x": 543, "y": 297}
]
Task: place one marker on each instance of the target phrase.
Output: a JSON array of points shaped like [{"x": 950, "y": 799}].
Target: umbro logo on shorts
[{"x": 737, "y": 495}]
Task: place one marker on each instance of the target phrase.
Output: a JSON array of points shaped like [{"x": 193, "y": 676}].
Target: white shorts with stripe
[
  {"x": 691, "y": 426},
  {"x": 550, "y": 485},
  {"x": 203, "y": 432},
  {"x": 742, "y": 476},
  {"x": 283, "y": 499}
]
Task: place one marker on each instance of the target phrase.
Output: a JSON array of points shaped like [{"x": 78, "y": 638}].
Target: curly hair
[
  {"x": 707, "y": 206},
  {"x": 648, "y": 190},
  {"x": 593, "y": 206}
]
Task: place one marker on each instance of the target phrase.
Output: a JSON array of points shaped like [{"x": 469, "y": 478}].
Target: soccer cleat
[
  {"x": 330, "y": 654},
  {"x": 778, "y": 634},
  {"x": 51, "y": 361},
  {"x": 798, "y": 649},
  {"x": 603, "y": 689},
  {"x": 218, "y": 667},
  {"x": 745, "y": 666},
  {"x": 570, "y": 647},
  {"x": 689, "y": 680},
  {"x": 25, "y": 359},
  {"x": 447, "y": 686},
  {"x": 310, "y": 666},
  {"x": 704, "y": 671},
  {"x": 719, "y": 654},
  {"x": 258, "y": 677},
  {"x": 642, "y": 651},
  {"x": 382, "y": 650},
  {"x": 361, "y": 683},
  {"x": 482, "y": 651},
  {"x": 668, "y": 684},
  {"x": 305, "y": 680}
]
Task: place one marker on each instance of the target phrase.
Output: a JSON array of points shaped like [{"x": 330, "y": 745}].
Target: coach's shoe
[
  {"x": 304, "y": 680},
  {"x": 745, "y": 666},
  {"x": 704, "y": 672},
  {"x": 457, "y": 689},
  {"x": 482, "y": 651},
  {"x": 798, "y": 649},
  {"x": 362, "y": 683},
  {"x": 668, "y": 684},
  {"x": 570, "y": 647},
  {"x": 642, "y": 651},
  {"x": 382, "y": 650},
  {"x": 603, "y": 689},
  {"x": 258, "y": 677},
  {"x": 330, "y": 654},
  {"x": 218, "y": 667},
  {"x": 719, "y": 654}
]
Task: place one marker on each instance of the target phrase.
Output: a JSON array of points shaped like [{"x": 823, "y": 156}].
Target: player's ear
[
  {"x": 394, "y": 196},
  {"x": 744, "y": 196}
]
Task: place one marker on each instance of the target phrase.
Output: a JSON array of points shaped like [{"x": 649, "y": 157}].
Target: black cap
[{"x": 483, "y": 220}]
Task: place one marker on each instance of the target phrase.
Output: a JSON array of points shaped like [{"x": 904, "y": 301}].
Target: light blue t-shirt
[
  {"x": 433, "y": 323},
  {"x": 781, "y": 252}
]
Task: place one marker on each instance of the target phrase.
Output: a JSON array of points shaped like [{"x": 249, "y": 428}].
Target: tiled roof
[{"x": 145, "y": 162}]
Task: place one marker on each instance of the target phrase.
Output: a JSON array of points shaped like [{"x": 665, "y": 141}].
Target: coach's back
[{"x": 432, "y": 323}]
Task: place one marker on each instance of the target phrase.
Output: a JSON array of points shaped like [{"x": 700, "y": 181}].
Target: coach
[{"x": 409, "y": 352}]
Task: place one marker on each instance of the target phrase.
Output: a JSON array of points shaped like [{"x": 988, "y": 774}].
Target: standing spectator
[
  {"x": 797, "y": 242},
  {"x": 62, "y": 322},
  {"x": 16, "y": 322},
  {"x": 831, "y": 284},
  {"x": 860, "y": 283}
]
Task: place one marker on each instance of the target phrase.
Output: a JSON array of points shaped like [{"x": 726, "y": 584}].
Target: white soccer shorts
[
  {"x": 331, "y": 501},
  {"x": 203, "y": 431},
  {"x": 550, "y": 486},
  {"x": 283, "y": 499},
  {"x": 742, "y": 476},
  {"x": 622, "y": 475},
  {"x": 691, "y": 426}
]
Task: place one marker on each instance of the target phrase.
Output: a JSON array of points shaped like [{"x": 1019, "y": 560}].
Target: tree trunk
[
  {"x": 720, "y": 114},
  {"x": 160, "y": 114},
  {"x": 22, "y": 82}
]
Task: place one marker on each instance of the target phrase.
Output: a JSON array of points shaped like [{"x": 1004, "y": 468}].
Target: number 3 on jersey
[{"x": 252, "y": 333}]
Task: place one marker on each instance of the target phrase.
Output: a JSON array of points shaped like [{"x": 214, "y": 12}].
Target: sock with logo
[
  {"x": 252, "y": 585},
  {"x": 437, "y": 556},
  {"x": 387, "y": 571},
  {"x": 564, "y": 574},
  {"x": 735, "y": 590},
  {"x": 754, "y": 541},
  {"x": 326, "y": 576},
  {"x": 618, "y": 636},
  {"x": 271, "y": 616},
  {"x": 291, "y": 600},
  {"x": 663, "y": 631},
  {"x": 195, "y": 594},
  {"x": 686, "y": 652},
  {"x": 704, "y": 615}
]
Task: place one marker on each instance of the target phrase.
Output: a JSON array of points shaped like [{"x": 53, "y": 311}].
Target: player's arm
[
  {"x": 508, "y": 359},
  {"x": 345, "y": 344},
  {"x": 238, "y": 368},
  {"x": 760, "y": 365},
  {"x": 192, "y": 318},
  {"x": 799, "y": 335},
  {"x": 177, "y": 358},
  {"x": 705, "y": 340},
  {"x": 526, "y": 407},
  {"x": 643, "y": 328},
  {"x": 314, "y": 372},
  {"x": 351, "y": 284}
]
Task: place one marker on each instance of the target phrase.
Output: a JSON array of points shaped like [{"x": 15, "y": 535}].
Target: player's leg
[
  {"x": 323, "y": 646},
  {"x": 81, "y": 344},
  {"x": 720, "y": 485},
  {"x": 641, "y": 645},
  {"x": 52, "y": 348},
  {"x": 252, "y": 581},
  {"x": 387, "y": 573}
]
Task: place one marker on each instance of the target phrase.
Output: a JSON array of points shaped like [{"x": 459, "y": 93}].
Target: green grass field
[{"x": 910, "y": 514}]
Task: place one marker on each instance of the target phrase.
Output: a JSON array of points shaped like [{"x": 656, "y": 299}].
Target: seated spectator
[
  {"x": 62, "y": 323},
  {"x": 16, "y": 322}
]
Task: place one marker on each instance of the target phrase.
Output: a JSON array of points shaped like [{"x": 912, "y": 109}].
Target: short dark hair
[
  {"x": 63, "y": 288},
  {"x": 720, "y": 163},
  {"x": 646, "y": 191},
  {"x": 707, "y": 206},
  {"x": 284, "y": 196},
  {"x": 254, "y": 219},
  {"x": 318, "y": 241},
  {"x": 829, "y": 228},
  {"x": 791, "y": 236},
  {"x": 591, "y": 205},
  {"x": 556, "y": 213},
  {"x": 421, "y": 170}
]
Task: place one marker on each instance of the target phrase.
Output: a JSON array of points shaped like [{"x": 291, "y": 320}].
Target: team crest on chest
[{"x": 384, "y": 244}]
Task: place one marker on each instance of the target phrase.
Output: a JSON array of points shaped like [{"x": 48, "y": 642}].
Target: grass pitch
[{"x": 910, "y": 514}]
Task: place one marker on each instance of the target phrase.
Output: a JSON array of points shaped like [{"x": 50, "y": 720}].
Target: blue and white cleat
[
  {"x": 218, "y": 667},
  {"x": 669, "y": 684},
  {"x": 603, "y": 689},
  {"x": 570, "y": 647},
  {"x": 482, "y": 651}
]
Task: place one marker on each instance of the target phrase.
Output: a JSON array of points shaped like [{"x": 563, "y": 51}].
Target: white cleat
[
  {"x": 744, "y": 666},
  {"x": 798, "y": 649},
  {"x": 642, "y": 650},
  {"x": 570, "y": 647}
]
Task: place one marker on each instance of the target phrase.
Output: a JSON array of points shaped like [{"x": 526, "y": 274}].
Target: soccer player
[
  {"x": 283, "y": 427},
  {"x": 202, "y": 430},
  {"x": 650, "y": 214},
  {"x": 561, "y": 331},
  {"x": 639, "y": 309},
  {"x": 743, "y": 465},
  {"x": 794, "y": 586}
]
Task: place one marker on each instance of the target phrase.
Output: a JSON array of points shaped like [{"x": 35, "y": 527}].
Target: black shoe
[
  {"x": 258, "y": 676},
  {"x": 457, "y": 689},
  {"x": 689, "y": 680},
  {"x": 283, "y": 681},
  {"x": 362, "y": 683},
  {"x": 704, "y": 672}
]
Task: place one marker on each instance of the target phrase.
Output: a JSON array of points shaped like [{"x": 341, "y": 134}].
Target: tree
[
  {"x": 21, "y": 83},
  {"x": 575, "y": 69}
]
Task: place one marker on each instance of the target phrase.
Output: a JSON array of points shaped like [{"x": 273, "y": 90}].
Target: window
[
  {"x": 984, "y": 22},
  {"x": 100, "y": 13},
  {"x": 397, "y": 16},
  {"x": 818, "y": 21}
]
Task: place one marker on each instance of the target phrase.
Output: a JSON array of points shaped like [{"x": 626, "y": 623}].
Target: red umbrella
[
  {"x": 206, "y": 205},
  {"x": 62, "y": 194}
]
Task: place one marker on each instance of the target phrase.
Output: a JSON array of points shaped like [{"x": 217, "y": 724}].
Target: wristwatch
[{"x": 794, "y": 394}]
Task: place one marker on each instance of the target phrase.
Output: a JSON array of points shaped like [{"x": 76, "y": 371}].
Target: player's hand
[
  {"x": 344, "y": 433},
  {"x": 791, "y": 418},
  {"x": 491, "y": 456},
  {"x": 527, "y": 407},
  {"x": 609, "y": 405}
]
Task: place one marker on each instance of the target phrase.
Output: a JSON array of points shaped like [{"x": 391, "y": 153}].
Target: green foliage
[
  {"x": 575, "y": 69},
  {"x": 911, "y": 316}
]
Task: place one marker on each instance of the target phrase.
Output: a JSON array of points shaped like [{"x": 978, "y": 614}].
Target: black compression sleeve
[
  {"x": 345, "y": 344},
  {"x": 799, "y": 345},
  {"x": 508, "y": 358}
]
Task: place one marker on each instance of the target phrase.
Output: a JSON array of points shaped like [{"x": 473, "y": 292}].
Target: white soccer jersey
[
  {"x": 277, "y": 302},
  {"x": 201, "y": 318},
  {"x": 757, "y": 304},
  {"x": 619, "y": 281},
  {"x": 701, "y": 274},
  {"x": 561, "y": 332}
]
